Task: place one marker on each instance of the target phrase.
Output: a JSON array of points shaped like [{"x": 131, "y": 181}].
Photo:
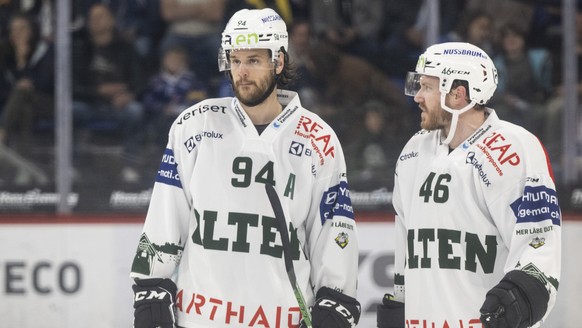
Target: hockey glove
[
  {"x": 518, "y": 301},
  {"x": 333, "y": 309},
  {"x": 390, "y": 314},
  {"x": 154, "y": 303}
]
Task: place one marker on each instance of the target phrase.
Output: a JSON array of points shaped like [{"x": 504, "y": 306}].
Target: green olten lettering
[{"x": 421, "y": 245}]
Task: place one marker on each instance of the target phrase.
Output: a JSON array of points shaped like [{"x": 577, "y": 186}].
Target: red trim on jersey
[{"x": 550, "y": 170}]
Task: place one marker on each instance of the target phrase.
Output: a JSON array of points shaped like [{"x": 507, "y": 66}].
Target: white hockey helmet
[
  {"x": 253, "y": 29},
  {"x": 452, "y": 61}
]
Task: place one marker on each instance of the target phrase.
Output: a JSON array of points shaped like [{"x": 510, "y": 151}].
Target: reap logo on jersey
[
  {"x": 320, "y": 141},
  {"x": 537, "y": 204},
  {"x": 168, "y": 171},
  {"x": 499, "y": 151},
  {"x": 336, "y": 201}
]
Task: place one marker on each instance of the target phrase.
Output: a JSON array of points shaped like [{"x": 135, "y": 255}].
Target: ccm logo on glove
[
  {"x": 338, "y": 308},
  {"x": 140, "y": 296}
]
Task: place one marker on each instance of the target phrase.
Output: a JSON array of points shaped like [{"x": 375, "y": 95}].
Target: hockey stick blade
[{"x": 283, "y": 229}]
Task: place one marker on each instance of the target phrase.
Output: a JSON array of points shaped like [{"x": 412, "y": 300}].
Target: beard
[
  {"x": 436, "y": 119},
  {"x": 252, "y": 94}
]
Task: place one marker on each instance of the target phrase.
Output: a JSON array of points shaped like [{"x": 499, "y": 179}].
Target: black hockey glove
[
  {"x": 334, "y": 310},
  {"x": 390, "y": 314},
  {"x": 154, "y": 303},
  {"x": 518, "y": 301}
]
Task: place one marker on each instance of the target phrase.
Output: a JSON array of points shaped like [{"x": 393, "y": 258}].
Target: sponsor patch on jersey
[
  {"x": 190, "y": 144},
  {"x": 537, "y": 204},
  {"x": 198, "y": 110},
  {"x": 284, "y": 116},
  {"x": 537, "y": 242},
  {"x": 406, "y": 156},
  {"x": 501, "y": 149},
  {"x": 471, "y": 160},
  {"x": 168, "y": 171},
  {"x": 478, "y": 134},
  {"x": 296, "y": 148},
  {"x": 342, "y": 239},
  {"x": 321, "y": 142},
  {"x": 336, "y": 201},
  {"x": 299, "y": 149}
]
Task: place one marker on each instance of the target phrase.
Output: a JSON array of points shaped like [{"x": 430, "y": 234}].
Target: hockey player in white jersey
[
  {"x": 210, "y": 254},
  {"x": 478, "y": 225}
]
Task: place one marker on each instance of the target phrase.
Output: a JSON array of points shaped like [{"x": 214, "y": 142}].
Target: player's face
[
  {"x": 252, "y": 74},
  {"x": 428, "y": 98}
]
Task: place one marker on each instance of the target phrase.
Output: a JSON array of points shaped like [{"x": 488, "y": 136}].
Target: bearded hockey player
[
  {"x": 478, "y": 225},
  {"x": 210, "y": 254}
]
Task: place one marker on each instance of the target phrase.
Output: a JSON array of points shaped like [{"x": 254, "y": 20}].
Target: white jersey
[
  {"x": 210, "y": 225},
  {"x": 466, "y": 218}
]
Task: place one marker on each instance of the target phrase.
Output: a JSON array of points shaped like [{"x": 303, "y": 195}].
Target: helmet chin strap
[{"x": 456, "y": 113}]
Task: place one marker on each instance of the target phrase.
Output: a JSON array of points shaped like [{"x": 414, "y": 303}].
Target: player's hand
[
  {"x": 154, "y": 303},
  {"x": 390, "y": 314},
  {"x": 333, "y": 309},
  {"x": 518, "y": 301}
]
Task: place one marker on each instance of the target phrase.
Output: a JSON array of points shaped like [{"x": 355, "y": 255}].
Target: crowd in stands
[{"x": 138, "y": 63}]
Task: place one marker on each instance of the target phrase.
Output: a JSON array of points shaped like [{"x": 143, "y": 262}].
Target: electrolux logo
[
  {"x": 296, "y": 148},
  {"x": 479, "y": 167},
  {"x": 410, "y": 155},
  {"x": 190, "y": 145},
  {"x": 208, "y": 135}
]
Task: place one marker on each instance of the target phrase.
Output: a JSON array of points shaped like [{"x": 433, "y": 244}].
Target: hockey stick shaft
[{"x": 283, "y": 229}]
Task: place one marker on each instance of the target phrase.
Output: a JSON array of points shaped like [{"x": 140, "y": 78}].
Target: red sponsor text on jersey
[
  {"x": 226, "y": 312},
  {"x": 496, "y": 145},
  {"x": 307, "y": 128},
  {"x": 460, "y": 323}
]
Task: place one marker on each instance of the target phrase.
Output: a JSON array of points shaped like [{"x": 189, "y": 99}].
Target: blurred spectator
[
  {"x": 195, "y": 25},
  {"x": 371, "y": 155},
  {"x": 353, "y": 26},
  {"x": 28, "y": 70},
  {"x": 41, "y": 11},
  {"x": 140, "y": 21},
  {"x": 525, "y": 79},
  {"x": 300, "y": 41},
  {"x": 169, "y": 92},
  {"x": 399, "y": 40},
  {"x": 107, "y": 79},
  {"x": 345, "y": 82},
  {"x": 475, "y": 27},
  {"x": 517, "y": 12}
]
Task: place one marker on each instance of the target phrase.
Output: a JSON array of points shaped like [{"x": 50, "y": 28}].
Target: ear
[
  {"x": 459, "y": 96},
  {"x": 280, "y": 63}
]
